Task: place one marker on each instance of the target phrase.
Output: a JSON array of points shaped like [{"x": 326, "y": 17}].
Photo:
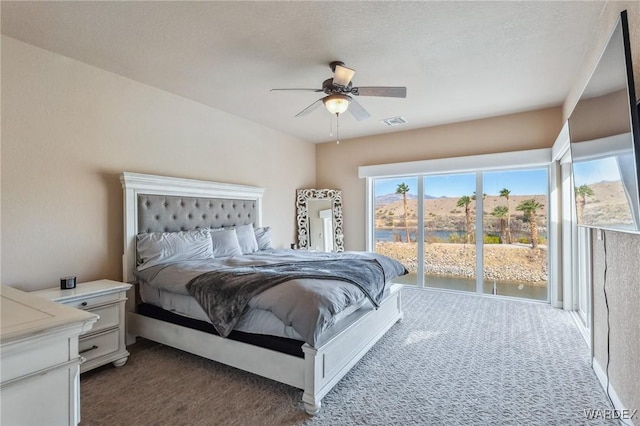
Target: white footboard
[{"x": 326, "y": 364}]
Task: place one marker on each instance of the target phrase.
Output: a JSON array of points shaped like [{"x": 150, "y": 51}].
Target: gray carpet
[{"x": 454, "y": 359}]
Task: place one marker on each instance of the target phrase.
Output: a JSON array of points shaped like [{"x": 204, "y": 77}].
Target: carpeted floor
[{"x": 454, "y": 359}]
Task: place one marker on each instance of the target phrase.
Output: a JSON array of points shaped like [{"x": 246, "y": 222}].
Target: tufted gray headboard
[
  {"x": 171, "y": 213},
  {"x": 167, "y": 204}
]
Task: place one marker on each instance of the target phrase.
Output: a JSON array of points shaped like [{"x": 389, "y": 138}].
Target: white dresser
[
  {"x": 39, "y": 378},
  {"x": 105, "y": 343}
]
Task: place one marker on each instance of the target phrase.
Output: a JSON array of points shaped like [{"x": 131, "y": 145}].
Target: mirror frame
[{"x": 304, "y": 195}]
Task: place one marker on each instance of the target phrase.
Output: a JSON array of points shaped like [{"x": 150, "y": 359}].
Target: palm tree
[
  {"x": 465, "y": 201},
  {"x": 403, "y": 188},
  {"x": 504, "y": 192},
  {"x": 501, "y": 212},
  {"x": 582, "y": 192},
  {"x": 529, "y": 208}
]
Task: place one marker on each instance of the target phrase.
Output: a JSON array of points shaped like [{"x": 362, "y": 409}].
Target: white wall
[{"x": 69, "y": 130}]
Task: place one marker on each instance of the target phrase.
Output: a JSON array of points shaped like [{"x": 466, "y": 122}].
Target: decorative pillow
[
  {"x": 247, "y": 239},
  {"x": 263, "y": 236},
  {"x": 156, "y": 248},
  {"x": 225, "y": 243}
]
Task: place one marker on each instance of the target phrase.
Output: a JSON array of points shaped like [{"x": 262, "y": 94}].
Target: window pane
[
  {"x": 515, "y": 233},
  {"x": 395, "y": 222},
  {"x": 449, "y": 232}
]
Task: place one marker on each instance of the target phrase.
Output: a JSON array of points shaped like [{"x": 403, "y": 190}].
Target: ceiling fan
[{"x": 340, "y": 92}]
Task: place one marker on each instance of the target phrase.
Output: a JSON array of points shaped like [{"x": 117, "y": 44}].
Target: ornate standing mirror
[{"x": 320, "y": 219}]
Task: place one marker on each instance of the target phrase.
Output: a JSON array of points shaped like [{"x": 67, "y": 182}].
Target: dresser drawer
[
  {"x": 90, "y": 302},
  {"x": 34, "y": 355},
  {"x": 109, "y": 317},
  {"x": 97, "y": 345}
]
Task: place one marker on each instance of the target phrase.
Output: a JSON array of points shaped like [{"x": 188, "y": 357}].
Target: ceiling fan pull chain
[
  {"x": 330, "y": 125},
  {"x": 337, "y": 129}
]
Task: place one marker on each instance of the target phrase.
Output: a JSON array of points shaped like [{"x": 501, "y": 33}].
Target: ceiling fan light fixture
[
  {"x": 336, "y": 103},
  {"x": 343, "y": 75}
]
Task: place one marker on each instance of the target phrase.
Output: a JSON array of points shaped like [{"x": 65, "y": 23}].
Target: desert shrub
[
  {"x": 491, "y": 239},
  {"x": 456, "y": 238},
  {"x": 523, "y": 240}
]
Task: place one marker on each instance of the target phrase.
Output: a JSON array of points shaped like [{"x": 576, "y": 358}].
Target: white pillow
[
  {"x": 263, "y": 236},
  {"x": 225, "y": 243},
  {"x": 156, "y": 248},
  {"x": 247, "y": 239}
]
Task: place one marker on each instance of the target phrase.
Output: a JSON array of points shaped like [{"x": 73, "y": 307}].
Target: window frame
[{"x": 478, "y": 164}]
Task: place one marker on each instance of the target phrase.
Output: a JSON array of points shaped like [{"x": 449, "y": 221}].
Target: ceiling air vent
[{"x": 393, "y": 121}]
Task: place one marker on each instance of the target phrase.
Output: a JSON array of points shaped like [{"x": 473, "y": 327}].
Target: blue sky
[
  {"x": 519, "y": 182},
  {"x": 588, "y": 172}
]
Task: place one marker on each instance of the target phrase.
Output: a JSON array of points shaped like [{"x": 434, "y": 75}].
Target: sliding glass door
[
  {"x": 450, "y": 232},
  {"x": 395, "y": 205},
  {"x": 515, "y": 236},
  {"x": 503, "y": 251}
]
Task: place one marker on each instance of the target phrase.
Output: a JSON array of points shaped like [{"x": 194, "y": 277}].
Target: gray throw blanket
[{"x": 224, "y": 294}]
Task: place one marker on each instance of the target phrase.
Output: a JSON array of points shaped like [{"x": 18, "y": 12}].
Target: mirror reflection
[
  {"x": 320, "y": 225},
  {"x": 319, "y": 215},
  {"x": 602, "y": 145}
]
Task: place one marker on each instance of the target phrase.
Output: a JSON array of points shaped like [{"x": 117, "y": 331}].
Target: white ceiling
[{"x": 458, "y": 60}]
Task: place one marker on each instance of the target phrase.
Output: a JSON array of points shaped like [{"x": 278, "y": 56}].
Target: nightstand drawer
[
  {"x": 90, "y": 302},
  {"x": 105, "y": 342},
  {"x": 109, "y": 317},
  {"x": 98, "y": 345}
]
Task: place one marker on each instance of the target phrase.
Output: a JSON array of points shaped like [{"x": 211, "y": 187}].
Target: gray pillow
[
  {"x": 225, "y": 243},
  {"x": 263, "y": 236},
  {"x": 247, "y": 239},
  {"x": 156, "y": 248}
]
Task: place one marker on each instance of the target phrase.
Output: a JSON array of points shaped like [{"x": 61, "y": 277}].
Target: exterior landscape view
[{"x": 514, "y": 238}]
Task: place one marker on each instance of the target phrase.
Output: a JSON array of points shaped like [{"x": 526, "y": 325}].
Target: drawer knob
[{"x": 84, "y": 303}]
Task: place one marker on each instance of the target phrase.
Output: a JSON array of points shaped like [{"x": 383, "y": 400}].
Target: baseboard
[
  {"x": 586, "y": 334},
  {"x": 615, "y": 400}
]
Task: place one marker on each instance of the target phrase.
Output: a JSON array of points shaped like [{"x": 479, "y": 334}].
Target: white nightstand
[{"x": 105, "y": 343}]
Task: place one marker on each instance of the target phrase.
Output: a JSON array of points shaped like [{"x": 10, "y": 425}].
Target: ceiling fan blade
[
  {"x": 389, "y": 92},
  {"x": 343, "y": 76},
  {"x": 358, "y": 112},
  {"x": 310, "y": 108},
  {"x": 304, "y": 90}
]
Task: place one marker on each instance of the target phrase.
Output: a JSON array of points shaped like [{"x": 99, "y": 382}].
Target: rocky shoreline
[{"x": 514, "y": 263}]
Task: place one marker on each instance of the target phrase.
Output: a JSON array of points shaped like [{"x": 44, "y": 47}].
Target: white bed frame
[{"x": 321, "y": 368}]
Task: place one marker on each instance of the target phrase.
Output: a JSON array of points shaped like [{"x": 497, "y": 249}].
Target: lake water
[
  {"x": 387, "y": 234},
  {"x": 522, "y": 290}
]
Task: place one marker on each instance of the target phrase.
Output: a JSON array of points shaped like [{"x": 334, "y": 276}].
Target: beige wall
[
  {"x": 337, "y": 165},
  {"x": 70, "y": 129},
  {"x": 622, "y": 250},
  {"x": 622, "y": 261}
]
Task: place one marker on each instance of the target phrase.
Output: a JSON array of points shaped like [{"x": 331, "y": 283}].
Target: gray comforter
[{"x": 309, "y": 305}]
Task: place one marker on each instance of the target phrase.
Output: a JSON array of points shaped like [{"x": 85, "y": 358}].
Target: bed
[{"x": 155, "y": 204}]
